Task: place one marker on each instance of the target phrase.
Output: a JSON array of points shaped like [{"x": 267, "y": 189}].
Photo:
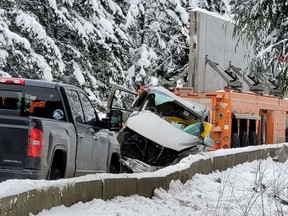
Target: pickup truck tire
[
  {"x": 113, "y": 168},
  {"x": 55, "y": 174}
]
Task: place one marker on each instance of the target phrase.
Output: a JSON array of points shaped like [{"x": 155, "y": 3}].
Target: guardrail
[{"x": 107, "y": 186}]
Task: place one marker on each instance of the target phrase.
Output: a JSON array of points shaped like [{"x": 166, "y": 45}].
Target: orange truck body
[
  {"x": 242, "y": 118},
  {"x": 238, "y": 118}
]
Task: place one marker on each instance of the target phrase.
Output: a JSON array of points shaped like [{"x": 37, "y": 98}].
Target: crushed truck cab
[{"x": 160, "y": 128}]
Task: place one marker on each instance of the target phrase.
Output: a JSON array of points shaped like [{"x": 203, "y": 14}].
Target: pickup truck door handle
[{"x": 80, "y": 135}]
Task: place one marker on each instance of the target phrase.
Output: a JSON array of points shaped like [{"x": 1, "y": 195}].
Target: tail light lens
[{"x": 36, "y": 142}]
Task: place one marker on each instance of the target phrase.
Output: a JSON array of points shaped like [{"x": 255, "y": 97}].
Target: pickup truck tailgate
[{"x": 13, "y": 141}]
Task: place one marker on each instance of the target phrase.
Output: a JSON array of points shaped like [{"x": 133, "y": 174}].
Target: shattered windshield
[
  {"x": 161, "y": 98},
  {"x": 173, "y": 112}
]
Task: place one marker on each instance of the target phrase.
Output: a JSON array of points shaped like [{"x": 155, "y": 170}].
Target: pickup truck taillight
[{"x": 36, "y": 142}]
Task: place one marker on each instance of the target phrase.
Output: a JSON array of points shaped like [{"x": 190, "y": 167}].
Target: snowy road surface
[{"x": 257, "y": 188}]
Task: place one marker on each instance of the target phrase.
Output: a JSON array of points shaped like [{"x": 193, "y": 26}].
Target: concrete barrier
[
  {"x": 119, "y": 187},
  {"x": 271, "y": 152},
  {"x": 81, "y": 191},
  {"x": 34, "y": 201},
  {"x": 219, "y": 163},
  {"x": 205, "y": 166},
  {"x": 235, "y": 159},
  {"x": 146, "y": 186}
]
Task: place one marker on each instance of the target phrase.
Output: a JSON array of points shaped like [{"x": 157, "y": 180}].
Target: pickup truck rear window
[
  {"x": 10, "y": 100},
  {"x": 31, "y": 101}
]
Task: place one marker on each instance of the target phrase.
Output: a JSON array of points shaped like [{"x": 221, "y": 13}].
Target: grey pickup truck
[{"x": 51, "y": 130}]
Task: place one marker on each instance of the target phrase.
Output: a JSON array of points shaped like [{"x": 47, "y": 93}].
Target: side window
[
  {"x": 43, "y": 102},
  {"x": 123, "y": 100},
  {"x": 75, "y": 105},
  {"x": 89, "y": 111}
]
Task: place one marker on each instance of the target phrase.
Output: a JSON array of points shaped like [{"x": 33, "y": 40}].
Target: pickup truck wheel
[
  {"x": 113, "y": 168},
  {"x": 55, "y": 174}
]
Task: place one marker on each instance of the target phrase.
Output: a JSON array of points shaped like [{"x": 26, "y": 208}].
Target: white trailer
[{"x": 212, "y": 36}]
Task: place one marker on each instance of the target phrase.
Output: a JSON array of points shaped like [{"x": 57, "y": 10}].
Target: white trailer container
[{"x": 212, "y": 36}]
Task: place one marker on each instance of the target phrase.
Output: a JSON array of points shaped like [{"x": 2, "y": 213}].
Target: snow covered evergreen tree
[
  {"x": 221, "y": 7},
  {"x": 158, "y": 32},
  {"x": 264, "y": 25},
  {"x": 158, "y": 37},
  {"x": 78, "y": 42},
  {"x": 96, "y": 43}
]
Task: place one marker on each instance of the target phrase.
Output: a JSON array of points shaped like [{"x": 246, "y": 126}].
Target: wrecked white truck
[{"x": 160, "y": 128}]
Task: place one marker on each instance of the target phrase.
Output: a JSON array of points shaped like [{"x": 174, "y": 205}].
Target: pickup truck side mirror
[{"x": 115, "y": 120}]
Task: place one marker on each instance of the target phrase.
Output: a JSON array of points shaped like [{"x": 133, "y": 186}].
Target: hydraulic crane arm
[
  {"x": 171, "y": 82},
  {"x": 256, "y": 86},
  {"x": 258, "y": 82},
  {"x": 234, "y": 83}
]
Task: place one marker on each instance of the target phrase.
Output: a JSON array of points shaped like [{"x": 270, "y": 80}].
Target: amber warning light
[{"x": 12, "y": 81}]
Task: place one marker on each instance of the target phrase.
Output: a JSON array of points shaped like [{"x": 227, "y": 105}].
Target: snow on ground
[{"x": 257, "y": 188}]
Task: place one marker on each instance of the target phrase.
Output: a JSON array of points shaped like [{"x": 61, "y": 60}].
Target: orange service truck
[
  {"x": 245, "y": 108},
  {"x": 241, "y": 118}
]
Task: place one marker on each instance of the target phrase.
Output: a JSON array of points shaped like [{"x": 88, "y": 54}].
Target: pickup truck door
[
  {"x": 100, "y": 149},
  {"x": 85, "y": 138},
  {"x": 122, "y": 99}
]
